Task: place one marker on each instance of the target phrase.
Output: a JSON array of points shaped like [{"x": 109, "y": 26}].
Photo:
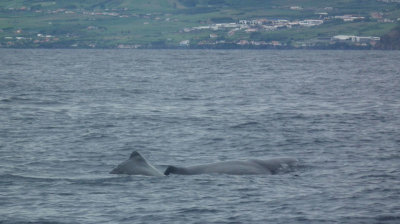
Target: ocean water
[{"x": 68, "y": 117}]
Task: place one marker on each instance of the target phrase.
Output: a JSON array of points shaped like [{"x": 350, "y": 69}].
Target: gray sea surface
[{"x": 68, "y": 117}]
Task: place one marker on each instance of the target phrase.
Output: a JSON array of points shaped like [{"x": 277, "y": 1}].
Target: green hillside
[{"x": 196, "y": 23}]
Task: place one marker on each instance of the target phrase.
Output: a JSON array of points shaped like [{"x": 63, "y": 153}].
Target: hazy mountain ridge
[{"x": 197, "y": 23}]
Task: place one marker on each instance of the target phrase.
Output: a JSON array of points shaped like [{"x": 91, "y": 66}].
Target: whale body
[
  {"x": 248, "y": 167},
  {"x": 136, "y": 165}
]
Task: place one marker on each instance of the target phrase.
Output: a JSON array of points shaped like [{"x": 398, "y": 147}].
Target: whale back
[
  {"x": 277, "y": 165},
  {"x": 136, "y": 165},
  {"x": 248, "y": 167}
]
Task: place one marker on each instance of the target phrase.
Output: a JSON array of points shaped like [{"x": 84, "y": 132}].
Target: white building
[
  {"x": 184, "y": 43},
  {"x": 356, "y": 39},
  {"x": 311, "y": 22},
  {"x": 296, "y": 8},
  {"x": 349, "y": 18}
]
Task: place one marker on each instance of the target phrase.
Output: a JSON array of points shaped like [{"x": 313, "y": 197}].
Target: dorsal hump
[{"x": 135, "y": 155}]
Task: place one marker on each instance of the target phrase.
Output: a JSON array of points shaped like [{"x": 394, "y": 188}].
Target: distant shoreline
[
  {"x": 257, "y": 49},
  {"x": 341, "y": 47}
]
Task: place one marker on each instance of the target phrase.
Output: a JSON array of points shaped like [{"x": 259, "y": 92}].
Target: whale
[
  {"x": 136, "y": 165},
  {"x": 245, "y": 167}
]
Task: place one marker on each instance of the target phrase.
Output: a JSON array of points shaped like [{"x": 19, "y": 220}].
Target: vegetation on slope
[
  {"x": 193, "y": 23},
  {"x": 391, "y": 40}
]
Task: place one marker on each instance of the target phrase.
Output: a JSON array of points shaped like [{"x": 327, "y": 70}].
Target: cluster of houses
[
  {"x": 281, "y": 23},
  {"x": 349, "y": 18},
  {"x": 39, "y": 39},
  {"x": 258, "y": 25},
  {"x": 356, "y": 39}
]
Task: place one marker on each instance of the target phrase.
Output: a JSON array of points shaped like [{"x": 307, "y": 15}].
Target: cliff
[{"x": 391, "y": 40}]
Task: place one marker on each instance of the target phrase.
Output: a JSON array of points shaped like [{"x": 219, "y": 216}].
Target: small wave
[
  {"x": 217, "y": 139},
  {"x": 26, "y": 99},
  {"x": 246, "y": 124},
  {"x": 189, "y": 98},
  {"x": 5, "y": 100},
  {"x": 388, "y": 218},
  {"x": 92, "y": 136},
  {"x": 31, "y": 222},
  {"x": 198, "y": 210},
  {"x": 14, "y": 177},
  {"x": 5, "y": 178},
  {"x": 382, "y": 176},
  {"x": 115, "y": 180},
  {"x": 12, "y": 99}
]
